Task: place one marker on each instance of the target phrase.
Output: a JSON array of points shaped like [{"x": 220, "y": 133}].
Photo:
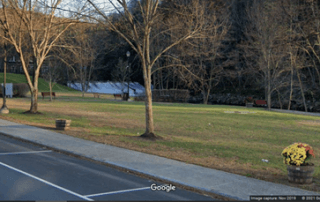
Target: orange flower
[
  {"x": 308, "y": 148},
  {"x": 311, "y": 152},
  {"x": 300, "y": 145}
]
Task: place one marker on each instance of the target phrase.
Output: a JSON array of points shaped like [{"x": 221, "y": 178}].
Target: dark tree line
[{"x": 266, "y": 48}]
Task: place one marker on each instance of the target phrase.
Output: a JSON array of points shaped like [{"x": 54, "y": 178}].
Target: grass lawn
[{"x": 198, "y": 134}]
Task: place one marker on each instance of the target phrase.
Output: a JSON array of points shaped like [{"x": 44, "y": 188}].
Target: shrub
[
  {"x": 297, "y": 154},
  {"x": 140, "y": 97},
  {"x": 172, "y": 95},
  {"x": 249, "y": 100},
  {"x": 20, "y": 89}
]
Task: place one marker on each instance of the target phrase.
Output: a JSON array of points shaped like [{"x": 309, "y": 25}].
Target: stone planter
[
  {"x": 249, "y": 104},
  {"x": 63, "y": 124},
  {"x": 300, "y": 174}
]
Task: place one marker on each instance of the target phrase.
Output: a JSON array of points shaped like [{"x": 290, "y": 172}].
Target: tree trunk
[
  {"x": 315, "y": 68},
  {"x": 318, "y": 74},
  {"x": 269, "y": 90},
  {"x": 167, "y": 87},
  {"x": 154, "y": 81},
  {"x": 149, "y": 133},
  {"x": 50, "y": 89},
  {"x": 67, "y": 70},
  {"x": 4, "y": 93},
  {"x": 205, "y": 97},
  {"x": 291, "y": 64},
  {"x": 83, "y": 88},
  {"x": 173, "y": 80},
  {"x": 312, "y": 77},
  {"x": 302, "y": 93},
  {"x": 279, "y": 99},
  {"x": 208, "y": 94},
  {"x": 265, "y": 88},
  {"x": 291, "y": 89},
  {"x": 34, "y": 101},
  {"x": 158, "y": 80},
  {"x": 34, "y": 93},
  {"x": 161, "y": 80}
]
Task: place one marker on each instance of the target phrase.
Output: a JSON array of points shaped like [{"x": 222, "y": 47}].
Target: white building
[{"x": 111, "y": 88}]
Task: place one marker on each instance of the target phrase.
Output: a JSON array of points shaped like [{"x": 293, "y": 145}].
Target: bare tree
[
  {"x": 36, "y": 22},
  {"x": 202, "y": 52},
  {"x": 264, "y": 47},
  {"x": 296, "y": 44},
  {"x": 79, "y": 51},
  {"x": 138, "y": 33},
  {"x": 121, "y": 73},
  {"x": 310, "y": 30},
  {"x": 52, "y": 73}
]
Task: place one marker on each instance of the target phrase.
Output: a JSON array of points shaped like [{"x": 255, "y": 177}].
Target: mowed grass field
[{"x": 200, "y": 134}]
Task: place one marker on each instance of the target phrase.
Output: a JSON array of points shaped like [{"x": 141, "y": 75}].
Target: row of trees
[
  {"x": 144, "y": 23},
  {"x": 32, "y": 29},
  {"x": 281, "y": 48},
  {"x": 204, "y": 45}
]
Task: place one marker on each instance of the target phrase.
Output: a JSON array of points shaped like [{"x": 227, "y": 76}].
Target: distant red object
[
  {"x": 261, "y": 102},
  {"x": 117, "y": 95}
]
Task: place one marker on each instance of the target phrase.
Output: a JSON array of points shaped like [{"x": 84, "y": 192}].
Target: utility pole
[
  {"x": 128, "y": 70},
  {"x": 4, "y": 109}
]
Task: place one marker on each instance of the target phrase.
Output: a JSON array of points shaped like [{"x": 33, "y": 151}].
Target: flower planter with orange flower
[{"x": 296, "y": 156}]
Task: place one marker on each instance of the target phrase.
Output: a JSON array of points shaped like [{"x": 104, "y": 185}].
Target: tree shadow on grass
[
  {"x": 48, "y": 128},
  {"x": 142, "y": 138},
  {"x": 33, "y": 113}
]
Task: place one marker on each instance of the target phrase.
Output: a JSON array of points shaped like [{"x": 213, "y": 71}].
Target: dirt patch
[
  {"x": 115, "y": 122},
  {"x": 310, "y": 122},
  {"x": 97, "y": 119},
  {"x": 238, "y": 112}
]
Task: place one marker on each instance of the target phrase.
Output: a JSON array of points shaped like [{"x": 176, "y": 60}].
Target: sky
[{"x": 76, "y": 5}]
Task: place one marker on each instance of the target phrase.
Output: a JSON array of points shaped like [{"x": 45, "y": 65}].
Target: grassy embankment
[
  {"x": 43, "y": 85},
  {"x": 61, "y": 91}
]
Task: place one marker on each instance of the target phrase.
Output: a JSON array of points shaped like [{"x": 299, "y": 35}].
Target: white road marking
[
  {"x": 46, "y": 182},
  {"x": 118, "y": 192},
  {"x": 31, "y": 152}
]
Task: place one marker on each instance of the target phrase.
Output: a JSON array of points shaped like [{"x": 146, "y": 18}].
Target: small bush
[
  {"x": 249, "y": 100},
  {"x": 20, "y": 89},
  {"x": 172, "y": 95},
  {"x": 140, "y": 97}
]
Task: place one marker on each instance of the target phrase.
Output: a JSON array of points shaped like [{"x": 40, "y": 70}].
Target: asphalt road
[{"x": 29, "y": 172}]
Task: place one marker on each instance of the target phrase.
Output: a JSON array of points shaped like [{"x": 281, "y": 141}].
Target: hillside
[{"x": 43, "y": 85}]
